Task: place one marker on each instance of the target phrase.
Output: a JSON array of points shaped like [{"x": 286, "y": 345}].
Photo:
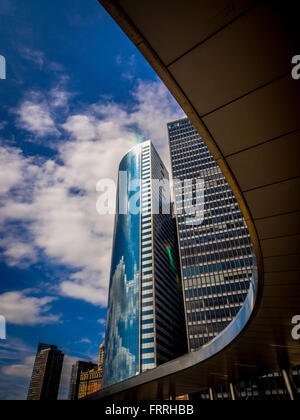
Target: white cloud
[
  {"x": 94, "y": 294},
  {"x": 18, "y": 253},
  {"x": 20, "y": 309},
  {"x": 12, "y": 348},
  {"x": 38, "y": 58},
  {"x": 85, "y": 341},
  {"x": 81, "y": 127},
  {"x": 36, "y": 117},
  {"x": 59, "y": 98},
  {"x": 16, "y": 361},
  {"x": 23, "y": 370},
  {"x": 35, "y": 56},
  {"x": 56, "y": 202},
  {"x": 38, "y": 112},
  {"x": 11, "y": 169}
]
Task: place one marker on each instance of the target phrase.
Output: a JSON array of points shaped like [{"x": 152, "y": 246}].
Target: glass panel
[{"x": 122, "y": 335}]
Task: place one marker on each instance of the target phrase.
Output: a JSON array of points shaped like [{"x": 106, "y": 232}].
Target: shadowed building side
[
  {"x": 77, "y": 369},
  {"x": 145, "y": 324},
  {"x": 46, "y": 373}
]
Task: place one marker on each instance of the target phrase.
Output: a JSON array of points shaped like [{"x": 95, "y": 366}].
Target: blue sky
[{"x": 77, "y": 96}]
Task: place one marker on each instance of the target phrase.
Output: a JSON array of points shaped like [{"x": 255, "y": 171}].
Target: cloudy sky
[{"x": 78, "y": 95}]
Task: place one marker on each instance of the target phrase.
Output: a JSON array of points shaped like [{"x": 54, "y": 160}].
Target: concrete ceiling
[{"x": 228, "y": 64}]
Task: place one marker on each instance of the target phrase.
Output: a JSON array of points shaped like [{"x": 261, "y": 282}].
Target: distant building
[
  {"x": 101, "y": 356},
  {"x": 46, "y": 373},
  {"x": 77, "y": 369},
  {"x": 91, "y": 380},
  {"x": 145, "y": 320}
]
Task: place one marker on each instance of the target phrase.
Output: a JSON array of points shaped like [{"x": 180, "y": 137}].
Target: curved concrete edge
[
  {"x": 190, "y": 360},
  {"x": 252, "y": 302}
]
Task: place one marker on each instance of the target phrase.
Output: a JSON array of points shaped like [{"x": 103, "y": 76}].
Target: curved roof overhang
[{"x": 229, "y": 64}]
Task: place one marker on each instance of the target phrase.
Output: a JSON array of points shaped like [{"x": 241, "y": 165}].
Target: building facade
[
  {"x": 217, "y": 261},
  {"x": 46, "y": 373},
  {"x": 216, "y": 254},
  {"x": 77, "y": 369},
  {"x": 145, "y": 325},
  {"x": 90, "y": 380},
  {"x": 101, "y": 356}
]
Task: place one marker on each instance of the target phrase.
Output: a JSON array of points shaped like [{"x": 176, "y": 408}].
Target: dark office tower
[
  {"x": 145, "y": 326},
  {"x": 77, "y": 369},
  {"x": 216, "y": 252},
  {"x": 46, "y": 373}
]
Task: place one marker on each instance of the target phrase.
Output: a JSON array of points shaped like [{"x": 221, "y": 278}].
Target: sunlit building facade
[
  {"x": 101, "y": 356},
  {"x": 145, "y": 323},
  {"x": 77, "y": 369},
  {"x": 216, "y": 255},
  {"x": 90, "y": 380}
]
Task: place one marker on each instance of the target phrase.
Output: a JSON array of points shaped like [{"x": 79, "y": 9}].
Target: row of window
[
  {"x": 147, "y": 307},
  {"x": 190, "y": 156},
  {"x": 197, "y": 243},
  {"x": 221, "y": 290},
  {"x": 222, "y": 266},
  {"x": 217, "y": 301},
  {"x": 191, "y": 233},
  {"x": 213, "y": 314}
]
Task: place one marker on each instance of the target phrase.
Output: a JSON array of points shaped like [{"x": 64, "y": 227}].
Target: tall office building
[
  {"x": 101, "y": 356},
  {"x": 145, "y": 324},
  {"x": 77, "y": 369},
  {"x": 91, "y": 381},
  {"x": 46, "y": 373},
  {"x": 216, "y": 255}
]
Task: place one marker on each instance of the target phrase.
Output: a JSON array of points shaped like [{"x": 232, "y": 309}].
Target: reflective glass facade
[
  {"x": 123, "y": 315},
  {"x": 216, "y": 256},
  {"x": 145, "y": 321}
]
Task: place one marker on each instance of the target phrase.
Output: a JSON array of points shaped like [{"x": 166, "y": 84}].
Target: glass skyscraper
[
  {"x": 216, "y": 256},
  {"x": 145, "y": 322},
  {"x": 45, "y": 379}
]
